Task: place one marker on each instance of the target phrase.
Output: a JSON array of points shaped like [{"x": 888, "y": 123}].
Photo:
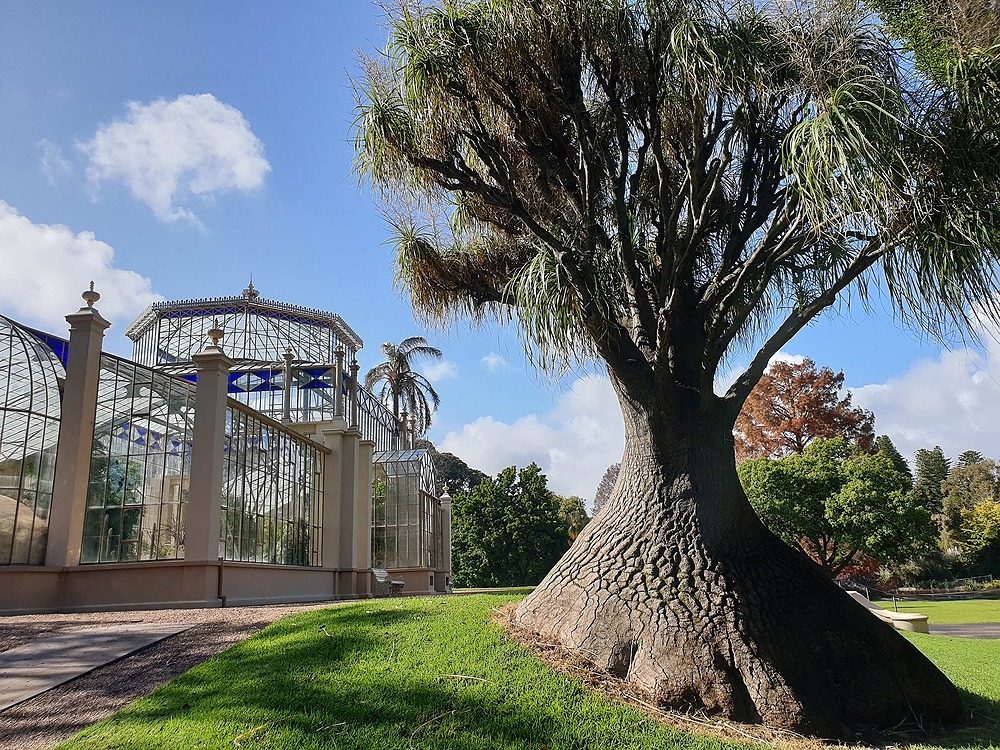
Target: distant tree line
[
  {"x": 816, "y": 474},
  {"x": 507, "y": 530}
]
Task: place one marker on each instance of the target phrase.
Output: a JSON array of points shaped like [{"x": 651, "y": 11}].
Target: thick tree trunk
[{"x": 678, "y": 588}]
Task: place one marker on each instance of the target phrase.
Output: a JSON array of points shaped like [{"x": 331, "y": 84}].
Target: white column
[
  {"x": 332, "y": 436},
  {"x": 201, "y": 534},
  {"x": 445, "y": 553},
  {"x": 348, "y": 498},
  {"x": 363, "y": 507},
  {"x": 76, "y": 434}
]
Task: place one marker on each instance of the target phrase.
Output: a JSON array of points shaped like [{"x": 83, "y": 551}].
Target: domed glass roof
[{"x": 29, "y": 389}]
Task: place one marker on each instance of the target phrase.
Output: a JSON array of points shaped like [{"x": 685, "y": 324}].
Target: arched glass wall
[{"x": 30, "y": 408}]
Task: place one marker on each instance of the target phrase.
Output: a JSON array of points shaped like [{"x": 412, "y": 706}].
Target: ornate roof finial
[
  {"x": 215, "y": 333},
  {"x": 250, "y": 292},
  {"x": 90, "y": 296}
]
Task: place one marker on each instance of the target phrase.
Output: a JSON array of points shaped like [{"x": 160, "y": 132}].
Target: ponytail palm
[
  {"x": 395, "y": 382},
  {"x": 662, "y": 187}
]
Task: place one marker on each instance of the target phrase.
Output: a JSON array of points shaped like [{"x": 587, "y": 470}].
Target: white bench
[
  {"x": 385, "y": 585},
  {"x": 909, "y": 621}
]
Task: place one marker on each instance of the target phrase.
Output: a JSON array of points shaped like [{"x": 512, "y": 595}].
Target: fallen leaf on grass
[{"x": 250, "y": 733}]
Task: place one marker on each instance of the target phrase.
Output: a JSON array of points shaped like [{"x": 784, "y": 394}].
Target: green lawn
[
  {"x": 398, "y": 673},
  {"x": 974, "y": 667},
  {"x": 429, "y": 673},
  {"x": 946, "y": 613}
]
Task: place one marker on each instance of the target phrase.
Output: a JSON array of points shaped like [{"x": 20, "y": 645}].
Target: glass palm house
[{"x": 292, "y": 369}]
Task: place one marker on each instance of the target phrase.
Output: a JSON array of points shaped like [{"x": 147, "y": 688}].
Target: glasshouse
[{"x": 236, "y": 459}]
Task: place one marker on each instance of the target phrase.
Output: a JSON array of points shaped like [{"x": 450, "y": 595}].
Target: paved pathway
[
  {"x": 46, "y": 662},
  {"x": 986, "y": 630}
]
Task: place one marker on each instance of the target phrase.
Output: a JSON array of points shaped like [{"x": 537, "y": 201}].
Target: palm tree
[
  {"x": 397, "y": 383},
  {"x": 662, "y": 187}
]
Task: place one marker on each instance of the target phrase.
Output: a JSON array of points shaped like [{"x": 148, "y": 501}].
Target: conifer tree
[{"x": 884, "y": 445}]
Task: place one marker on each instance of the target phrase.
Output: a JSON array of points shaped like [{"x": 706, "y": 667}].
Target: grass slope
[
  {"x": 954, "y": 612},
  {"x": 435, "y": 673},
  {"x": 402, "y": 673}
]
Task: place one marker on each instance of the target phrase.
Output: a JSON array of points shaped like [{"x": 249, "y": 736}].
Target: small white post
[
  {"x": 338, "y": 390},
  {"x": 286, "y": 391}
]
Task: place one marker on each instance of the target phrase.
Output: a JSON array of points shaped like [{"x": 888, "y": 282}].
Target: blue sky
[{"x": 170, "y": 150}]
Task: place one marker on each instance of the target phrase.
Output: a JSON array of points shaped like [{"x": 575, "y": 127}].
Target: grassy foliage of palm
[
  {"x": 396, "y": 383},
  {"x": 664, "y": 186}
]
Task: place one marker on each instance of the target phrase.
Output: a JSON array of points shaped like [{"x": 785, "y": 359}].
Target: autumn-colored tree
[{"x": 794, "y": 404}]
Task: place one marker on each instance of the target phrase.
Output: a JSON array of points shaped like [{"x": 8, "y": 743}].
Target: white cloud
[
  {"x": 952, "y": 401},
  {"x": 573, "y": 444},
  {"x": 54, "y": 164},
  {"x": 47, "y": 266},
  {"x": 725, "y": 378},
  {"x": 493, "y": 362},
  {"x": 166, "y": 151},
  {"x": 443, "y": 370},
  {"x": 791, "y": 359}
]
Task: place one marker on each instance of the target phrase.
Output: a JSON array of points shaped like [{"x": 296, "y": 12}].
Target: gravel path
[{"x": 51, "y": 717}]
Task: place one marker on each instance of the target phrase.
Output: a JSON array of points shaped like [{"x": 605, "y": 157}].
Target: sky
[{"x": 172, "y": 150}]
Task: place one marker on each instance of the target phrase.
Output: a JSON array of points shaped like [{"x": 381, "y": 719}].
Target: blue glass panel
[{"x": 59, "y": 347}]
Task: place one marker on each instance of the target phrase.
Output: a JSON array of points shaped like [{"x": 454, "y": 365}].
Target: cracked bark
[{"x": 678, "y": 588}]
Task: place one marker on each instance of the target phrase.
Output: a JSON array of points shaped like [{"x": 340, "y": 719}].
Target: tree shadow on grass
[
  {"x": 337, "y": 680},
  {"x": 979, "y": 726},
  {"x": 464, "y": 716}
]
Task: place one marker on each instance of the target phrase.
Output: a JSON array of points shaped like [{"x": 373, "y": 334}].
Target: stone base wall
[{"x": 178, "y": 584}]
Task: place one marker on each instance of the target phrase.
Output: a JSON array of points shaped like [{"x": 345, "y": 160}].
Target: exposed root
[{"x": 578, "y": 665}]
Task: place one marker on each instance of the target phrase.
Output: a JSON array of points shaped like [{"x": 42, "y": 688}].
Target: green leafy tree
[
  {"x": 507, "y": 531},
  {"x": 942, "y": 33},
  {"x": 981, "y": 531},
  {"x": 967, "y": 485},
  {"x": 451, "y": 473},
  {"x": 837, "y": 504},
  {"x": 396, "y": 383},
  {"x": 574, "y": 514},
  {"x": 967, "y": 458},
  {"x": 656, "y": 186},
  {"x": 885, "y": 446}
]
